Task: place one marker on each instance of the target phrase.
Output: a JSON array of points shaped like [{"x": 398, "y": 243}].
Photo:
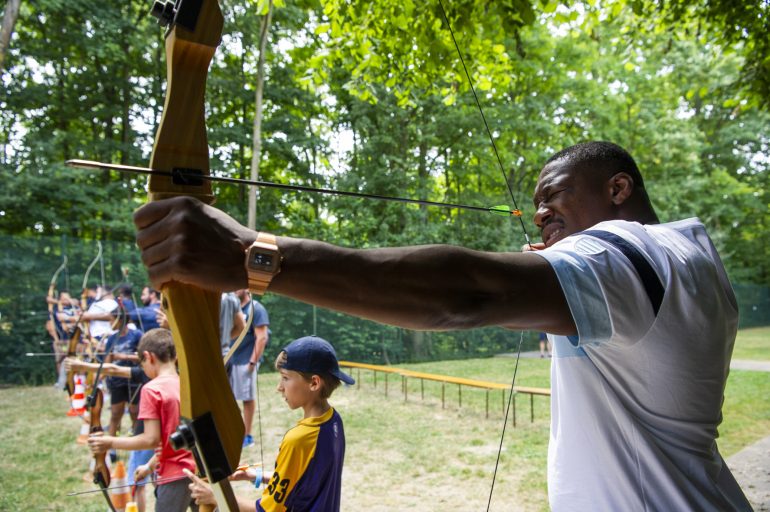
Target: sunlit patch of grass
[{"x": 753, "y": 343}]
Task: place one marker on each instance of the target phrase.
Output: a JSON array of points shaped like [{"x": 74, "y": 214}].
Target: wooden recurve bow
[
  {"x": 84, "y": 298},
  {"x": 80, "y": 327},
  {"x": 212, "y": 425},
  {"x": 52, "y": 296}
]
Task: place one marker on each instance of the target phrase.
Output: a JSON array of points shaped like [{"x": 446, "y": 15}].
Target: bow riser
[
  {"x": 101, "y": 471},
  {"x": 72, "y": 348},
  {"x": 204, "y": 386}
]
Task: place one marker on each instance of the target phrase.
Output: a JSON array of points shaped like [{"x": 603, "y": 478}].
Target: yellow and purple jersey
[{"x": 308, "y": 469}]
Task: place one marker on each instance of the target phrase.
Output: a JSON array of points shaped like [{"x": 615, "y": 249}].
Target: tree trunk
[
  {"x": 6, "y": 30},
  {"x": 257, "y": 134},
  {"x": 420, "y": 345}
]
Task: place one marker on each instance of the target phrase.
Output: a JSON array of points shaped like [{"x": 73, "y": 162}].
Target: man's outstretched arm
[{"x": 435, "y": 287}]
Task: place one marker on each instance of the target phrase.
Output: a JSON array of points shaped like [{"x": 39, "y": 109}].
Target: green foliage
[
  {"x": 739, "y": 28},
  {"x": 406, "y": 46}
]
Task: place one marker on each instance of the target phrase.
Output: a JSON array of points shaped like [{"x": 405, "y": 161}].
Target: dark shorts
[
  {"x": 120, "y": 393},
  {"x": 174, "y": 497}
]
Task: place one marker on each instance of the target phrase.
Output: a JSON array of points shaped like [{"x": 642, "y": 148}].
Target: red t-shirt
[{"x": 160, "y": 401}]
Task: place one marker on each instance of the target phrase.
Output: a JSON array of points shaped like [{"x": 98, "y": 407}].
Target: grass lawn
[
  {"x": 753, "y": 343},
  {"x": 412, "y": 455}
]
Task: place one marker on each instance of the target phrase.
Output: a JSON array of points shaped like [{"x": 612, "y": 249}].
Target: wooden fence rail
[{"x": 446, "y": 379}]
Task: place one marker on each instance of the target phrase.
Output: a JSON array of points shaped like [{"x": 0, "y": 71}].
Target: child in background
[
  {"x": 308, "y": 469},
  {"x": 159, "y": 408},
  {"x": 135, "y": 375}
]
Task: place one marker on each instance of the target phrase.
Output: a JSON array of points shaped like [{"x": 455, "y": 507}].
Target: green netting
[{"x": 753, "y": 304}]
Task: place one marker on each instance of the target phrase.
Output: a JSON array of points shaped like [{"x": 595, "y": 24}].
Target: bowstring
[
  {"x": 259, "y": 427},
  {"x": 505, "y": 420},
  {"x": 523, "y": 228},
  {"x": 256, "y": 384},
  {"x": 486, "y": 125}
]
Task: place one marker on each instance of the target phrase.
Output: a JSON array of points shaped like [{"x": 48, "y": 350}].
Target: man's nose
[{"x": 542, "y": 214}]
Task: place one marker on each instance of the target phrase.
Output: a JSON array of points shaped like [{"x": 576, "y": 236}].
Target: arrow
[
  {"x": 190, "y": 176},
  {"x": 242, "y": 467}
]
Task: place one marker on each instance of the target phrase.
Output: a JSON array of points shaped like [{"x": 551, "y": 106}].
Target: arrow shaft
[
  {"x": 242, "y": 467},
  {"x": 187, "y": 175}
]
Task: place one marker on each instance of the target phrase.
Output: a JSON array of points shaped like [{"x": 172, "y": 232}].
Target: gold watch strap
[{"x": 259, "y": 281}]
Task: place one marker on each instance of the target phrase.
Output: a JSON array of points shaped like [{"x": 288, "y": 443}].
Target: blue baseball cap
[{"x": 311, "y": 354}]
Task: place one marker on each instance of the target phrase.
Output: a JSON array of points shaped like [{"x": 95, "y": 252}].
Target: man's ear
[{"x": 621, "y": 188}]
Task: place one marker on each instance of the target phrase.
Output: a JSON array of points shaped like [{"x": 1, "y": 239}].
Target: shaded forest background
[{"x": 369, "y": 96}]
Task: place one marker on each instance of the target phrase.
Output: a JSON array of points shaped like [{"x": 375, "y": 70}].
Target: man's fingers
[
  {"x": 183, "y": 240},
  {"x": 152, "y": 212}
]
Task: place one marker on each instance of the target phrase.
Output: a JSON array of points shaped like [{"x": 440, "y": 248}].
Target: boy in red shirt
[{"x": 159, "y": 408}]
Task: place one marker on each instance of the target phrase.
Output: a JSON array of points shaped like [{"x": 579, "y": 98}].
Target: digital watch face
[{"x": 261, "y": 260}]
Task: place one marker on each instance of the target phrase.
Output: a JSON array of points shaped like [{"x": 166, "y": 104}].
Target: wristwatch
[{"x": 263, "y": 262}]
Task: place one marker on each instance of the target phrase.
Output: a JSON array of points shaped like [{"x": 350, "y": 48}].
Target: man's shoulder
[
  {"x": 103, "y": 306},
  {"x": 624, "y": 228},
  {"x": 230, "y": 300},
  {"x": 645, "y": 237},
  {"x": 260, "y": 313}
]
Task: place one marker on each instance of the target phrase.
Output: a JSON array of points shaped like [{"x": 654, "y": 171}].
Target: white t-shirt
[
  {"x": 229, "y": 306},
  {"x": 99, "y": 328},
  {"x": 636, "y": 398}
]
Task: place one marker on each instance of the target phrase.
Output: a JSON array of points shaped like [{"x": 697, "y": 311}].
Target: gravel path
[{"x": 751, "y": 467}]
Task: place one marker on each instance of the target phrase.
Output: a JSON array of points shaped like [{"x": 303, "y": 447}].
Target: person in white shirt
[
  {"x": 641, "y": 316},
  {"x": 100, "y": 315}
]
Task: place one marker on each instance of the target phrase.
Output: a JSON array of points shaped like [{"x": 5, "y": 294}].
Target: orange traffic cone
[
  {"x": 78, "y": 398},
  {"x": 120, "y": 492},
  {"x": 85, "y": 429}
]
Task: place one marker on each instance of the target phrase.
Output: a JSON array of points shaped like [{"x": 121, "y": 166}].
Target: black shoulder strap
[{"x": 650, "y": 280}]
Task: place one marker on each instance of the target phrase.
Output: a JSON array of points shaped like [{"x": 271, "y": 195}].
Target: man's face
[
  {"x": 145, "y": 296},
  {"x": 569, "y": 201}
]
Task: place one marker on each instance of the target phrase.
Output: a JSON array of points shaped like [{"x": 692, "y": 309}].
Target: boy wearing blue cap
[{"x": 308, "y": 469}]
